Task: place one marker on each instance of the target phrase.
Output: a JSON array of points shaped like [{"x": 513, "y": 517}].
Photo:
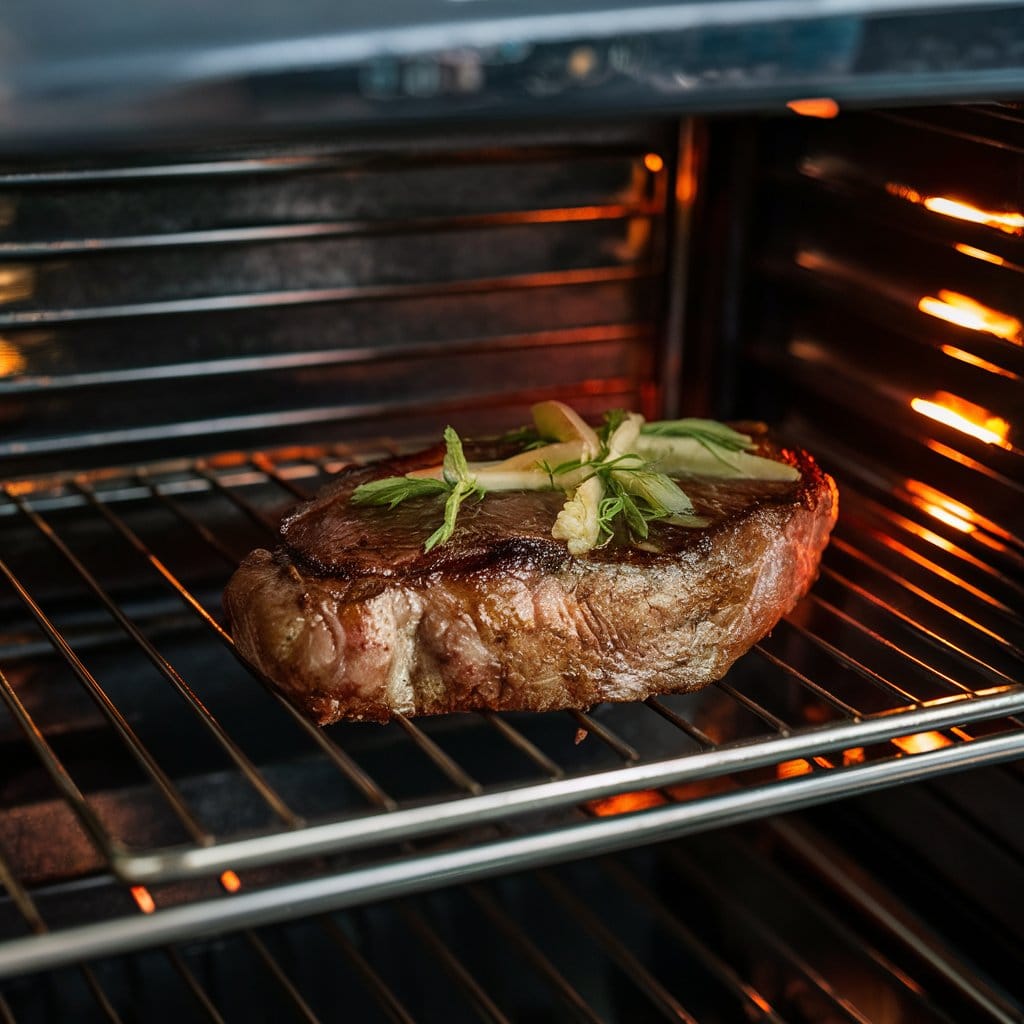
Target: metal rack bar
[
  {"x": 816, "y": 688},
  {"x": 875, "y": 637},
  {"x": 204, "y": 532},
  {"x": 55, "y": 769},
  {"x": 191, "y": 983},
  {"x": 470, "y": 863},
  {"x": 934, "y": 639},
  {"x": 112, "y": 713},
  {"x": 618, "y": 745},
  {"x": 298, "y": 1004},
  {"x": 21, "y": 899},
  {"x": 255, "y": 515},
  {"x": 849, "y": 549},
  {"x": 707, "y": 881},
  {"x": 755, "y": 1004},
  {"x": 454, "y": 967},
  {"x": 522, "y": 744},
  {"x": 912, "y": 556},
  {"x": 447, "y": 765},
  {"x": 343, "y": 761},
  {"x": 234, "y": 752},
  {"x": 844, "y": 658},
  {"x": 697, "y": 735},
  {"x": 388, "y": 1000},
  {"x": 261, "y": 463},
  {"x": 405, "y": 823},
  {"x": 100, "y": 996},
  {"x": 777, "y": 724},
  {"x": 656, "y": 993},
  {"x": 879, "y": 961},
  {"x": 317, "y": 296},
  {"x": 529, "y": 951},
  {"x": 5, "y": 1012},
  {"x": 832, "y": 864},
  {"x": 914, "y": 528}
]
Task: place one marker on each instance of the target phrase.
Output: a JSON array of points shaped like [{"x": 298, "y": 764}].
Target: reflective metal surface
[{"x": 172, "y": 71}]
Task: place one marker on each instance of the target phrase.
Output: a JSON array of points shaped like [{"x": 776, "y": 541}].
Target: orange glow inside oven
[
  {"x": 815, "y": 106},
  {"x": 230, "y": 881},
  {"x": 964, "y": 416},
  {"x": 921, "y": 742},
  {"x": 980, "y": 254},
  {"x": 972, "y": 360},
  {"x": 653, "y": 163},
  {"x": 144, "y": 900},
  {"x": 941, "y": 506},
  {"x": 1009, "y": 221},
  {"x": 790, "y": 769},
  {"x": 626, "y": 803},
  {"x": 11, "y": 359},
  {"x": 962, "y": 310}
]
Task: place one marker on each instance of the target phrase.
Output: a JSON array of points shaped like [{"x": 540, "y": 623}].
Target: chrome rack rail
[{"x": 899, "y": 966}]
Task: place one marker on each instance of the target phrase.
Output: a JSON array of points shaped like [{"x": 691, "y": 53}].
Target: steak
[{"x": 352, "y": 619}]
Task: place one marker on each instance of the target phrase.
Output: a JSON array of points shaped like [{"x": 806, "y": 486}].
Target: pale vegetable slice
[
  {"x": 686, "y": 456},
  {"x": 558, "y": 421},
  {"x": 657, "y": 490},
  {"x": 578, "y": 524},
  {"x": 551, "y": 455}
]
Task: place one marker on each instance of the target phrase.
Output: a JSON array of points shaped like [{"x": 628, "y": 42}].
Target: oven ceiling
[{"x": 120, "y": 71}]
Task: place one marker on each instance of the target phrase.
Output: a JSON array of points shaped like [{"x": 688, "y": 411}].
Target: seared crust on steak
[{"x": 352, "y": 619}]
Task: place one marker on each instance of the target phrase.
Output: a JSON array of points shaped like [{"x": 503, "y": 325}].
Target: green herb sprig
[{"x": 457, "y": 482}]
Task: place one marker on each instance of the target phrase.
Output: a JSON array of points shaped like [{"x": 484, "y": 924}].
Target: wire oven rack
[
  {"x": 901, "y": 664},
  {"x": 495, "y": 950}
]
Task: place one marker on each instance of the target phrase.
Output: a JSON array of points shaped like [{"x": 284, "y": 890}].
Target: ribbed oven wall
[{"x": 185, "y": 302}]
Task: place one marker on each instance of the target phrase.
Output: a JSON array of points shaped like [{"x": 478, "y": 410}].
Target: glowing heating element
[
  {"x": 949, "y": 518},
  {"x": 964, "y": 416},
  {"x": 972, "y": 360},
  {"x": 979, "y": 254},
  {"x": 964, "y": 311},
  {"x": 11, "y": 359},
  {"x": 626, "y": 803},
  {"x": 940, "y": 506},
  {"x": 1009, "y": 221},
  {"x": 142, "y": 897},
  {"x": 921, "y": 742},
  {"x": 790, "y": 769},
  {"x": 230, "y": 881},
  {"x": 653, "y": 162}
]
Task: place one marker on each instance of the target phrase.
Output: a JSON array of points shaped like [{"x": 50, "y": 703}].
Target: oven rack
[
  {"x": 808, "y": 716},
  {"x": 301, "y": 970}
]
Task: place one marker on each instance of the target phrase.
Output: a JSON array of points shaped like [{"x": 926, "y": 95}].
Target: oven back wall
[{"x": 243, "y": 299}]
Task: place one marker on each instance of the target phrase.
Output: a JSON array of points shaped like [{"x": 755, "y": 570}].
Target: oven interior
[{"x": 191, "y": 342}]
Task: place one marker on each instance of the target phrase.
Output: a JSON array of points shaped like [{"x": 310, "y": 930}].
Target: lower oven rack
[
  {"x": 858, "y": 690},
  {"x": 849, "y": 949}
]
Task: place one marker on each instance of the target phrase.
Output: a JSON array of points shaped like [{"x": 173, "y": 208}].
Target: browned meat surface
[{"x": 351, "y": 619}]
